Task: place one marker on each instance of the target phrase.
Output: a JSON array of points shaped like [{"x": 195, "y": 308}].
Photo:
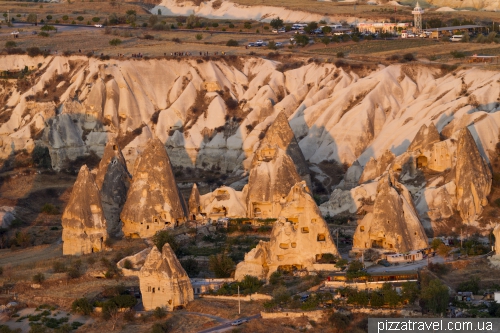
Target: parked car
[
  {"x": 275, "y": 31},
  {"x": 251, "y": 44},
  {"x": 282, "y": 30},
  {"x": 98, "y": 25},
  {"x": 238, "y": 322},
  {"x": 278, "y": 44},
  {"x": 456, "y": 38},
  {"x": 384, "y": 263}
]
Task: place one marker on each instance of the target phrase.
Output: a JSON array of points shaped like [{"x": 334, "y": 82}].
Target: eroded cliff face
[
  {"x": 213, "y": 114},
  {"x": 472, "y": 178},
  {"x": 217, "y": 114},
  {"x": 113, "y": 180}
]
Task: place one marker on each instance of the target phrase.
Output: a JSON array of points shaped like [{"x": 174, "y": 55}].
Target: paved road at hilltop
[{"x": 227, "y": 325}]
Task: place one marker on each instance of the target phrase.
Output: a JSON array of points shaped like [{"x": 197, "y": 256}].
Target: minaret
[{"x": 417, "y": 13}]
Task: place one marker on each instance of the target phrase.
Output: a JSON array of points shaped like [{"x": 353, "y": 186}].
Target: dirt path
[{"x": 30, "y": 255}]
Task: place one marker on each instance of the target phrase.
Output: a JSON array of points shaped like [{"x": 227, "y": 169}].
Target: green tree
[
  {"x": 191, "y": 267},
  {"x": 326, "y": 29},
  {"x": 311, "y": 27},
  {"x": 391, "y": 297},
  {"x": 443, "y": 250},
  {"x": 434, "y": 296},
  {"x": 32, "y": 18},
  {"x": 325, "y": 40},
  {"x": 199, "y": 36},
  {"x": 124, "y": 301},
  {"x": 221, "y": 264},
  {"x": 80, "y": 18},
  {"x": 281, "y": 295},
  {"x": 192, "y": 21},
  {"x": 471, "y": 285},
  {"x": 247, "y": 25},
  {"x": 435, "y": 243},
  {"x": 250, "y": 283},
  {"x": 376, "y": 300},
  {"x": 153, "y": 19},
  {"x": 162, "y": 237},
  {"x": 341, "y": 263},
  {"x": 232, "y": 42},
  {"x": 355, "y": 270},
  {"x": 48, "y": 17},
  {"x": 409, "y": 291},
  {"x": 65, "y": 18},
  {"x": 302, "y": 40},
  {"x": 276, "y": 23},
  {"x": 82, "y": 306},
  {"x": 96, "y": 19}
]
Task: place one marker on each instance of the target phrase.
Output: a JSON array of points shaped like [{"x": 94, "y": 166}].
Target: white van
[{"x": 456, "y": 38}]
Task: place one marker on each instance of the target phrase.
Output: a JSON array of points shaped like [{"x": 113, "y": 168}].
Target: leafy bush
[
  {"x": 128, "y": 264},
  {"x": 115, "y": 42},
  {"x": 10, "y": 44},
  {"x": 457, "y": 54},
  {"x": 50, "y": 209},
  {"x": 159, "y": 313},
  {"x": 58, "y": 267},
  {"x": 199, "y": 36},
  {"x": 38, "y": 278},
  {"x": 409, "y": 57},
  {"x": 96, "y": 19},
  {"x": 232, "y": 42},
  {"x": 221, "y": 265},
  {"x": 41, "y": 157},
  {"x": 163, "y": 237}
]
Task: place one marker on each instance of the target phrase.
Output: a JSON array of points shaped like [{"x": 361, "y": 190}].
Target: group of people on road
[{"x": 182, "y": 54}]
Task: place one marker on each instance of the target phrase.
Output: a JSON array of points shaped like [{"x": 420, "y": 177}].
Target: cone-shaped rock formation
[
  {"x": 472, "y": 177},
  {"x": 83, "y": 221},
  {"x": 426, "y": 136},
  {"x": 280, "y": 133},
  {"x": 194, "y": 203},
  {"x": 394, "y": 223},
  {"x": 272, "y": 175},
  {"x": 376, "y": 167},
  {"x": 153, "y": 201},
  {"x": 299, "y": 238},
  {"x": 163, "y": 281},
  {"x": 113, "y": 179}
]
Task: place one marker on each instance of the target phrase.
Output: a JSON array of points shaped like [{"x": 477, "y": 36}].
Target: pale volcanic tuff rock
[
  {"x": 271, "y": 177},
  {"x": 394, "y": 223},
  {"x": 194, "y": 203},
  {"x": 425, "y": 137},
  {"x": 163, "y": 281},
  {"x": 472, "y": 178},
  {"x": 83, "y": 221},
  {"x": 224, "y": 202},
  {"x": 280, "y": 133},
  {"x": 113, "y": 179},
  {"x": 298, "y": 239},
  {"x": 153, "y": 201},
  {"x": 376, "y": 167}
]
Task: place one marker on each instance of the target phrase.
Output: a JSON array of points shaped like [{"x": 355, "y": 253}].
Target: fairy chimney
[
  {"x": 83, "y": 221},
  {"x": 163, "y": 281},
  {"x": 153, "y": 200}
]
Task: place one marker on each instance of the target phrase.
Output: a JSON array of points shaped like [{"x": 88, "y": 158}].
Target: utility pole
[{"x": 239, "y": 301}]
